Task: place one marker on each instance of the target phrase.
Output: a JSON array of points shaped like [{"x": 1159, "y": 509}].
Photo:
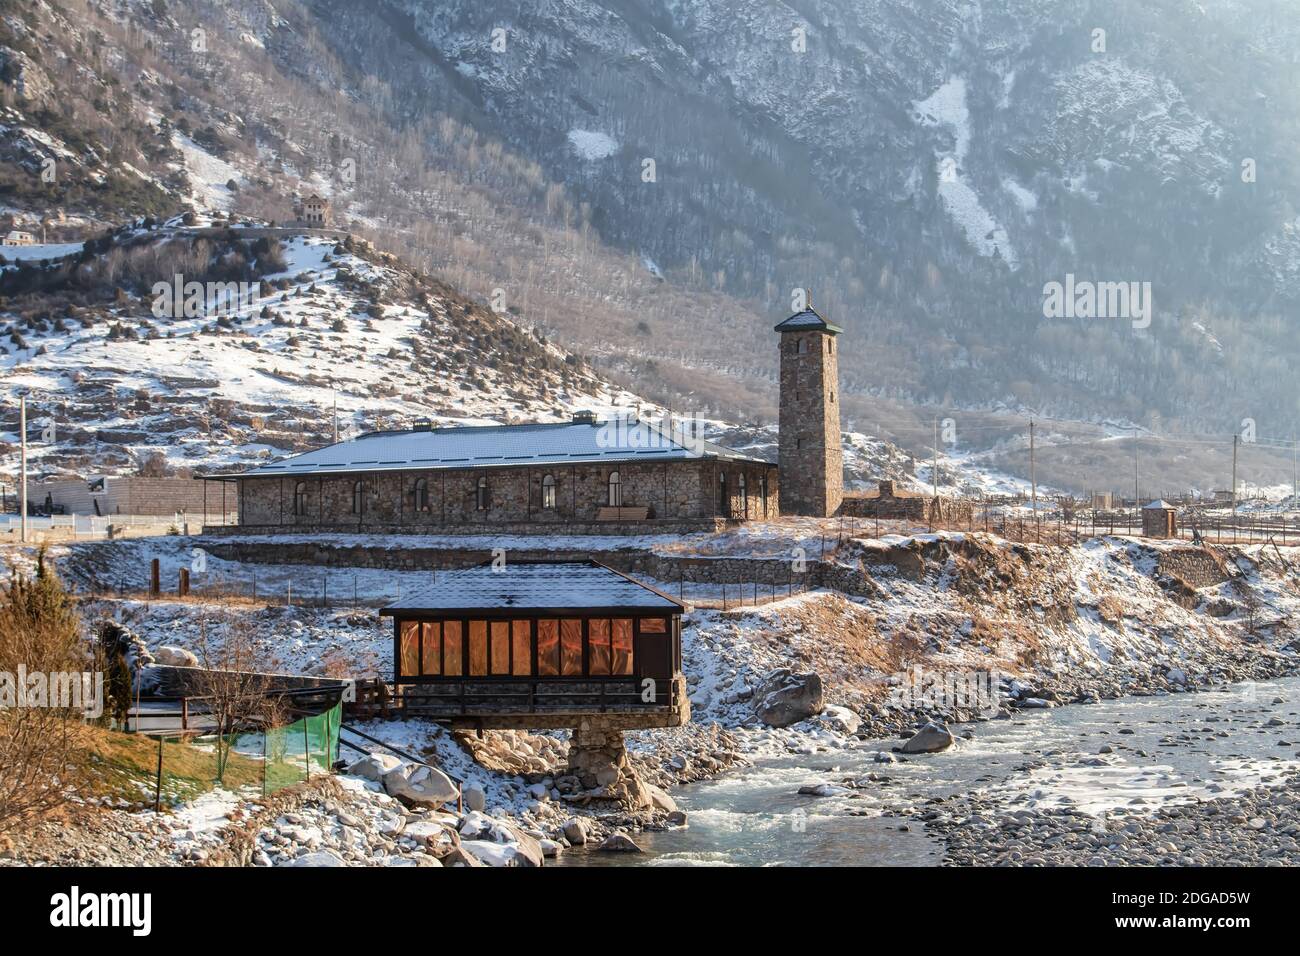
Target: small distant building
[
  {"x": 1103, "y": 500},
  {"x": 1223, "y": 496},
  {"x": 313, "y": 212},
  {"x": 16, "y": 237},
  {"x": 1159, "y": 520},
  {"x": 544, "y": 644},
  {"x": 887, "y": 501},
  {"x": 128, "y": 495}
]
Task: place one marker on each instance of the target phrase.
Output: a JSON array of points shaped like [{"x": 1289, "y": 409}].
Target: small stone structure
[
  {"x": 1159, "y": 520},
  {"x": 890, "y": 501}
]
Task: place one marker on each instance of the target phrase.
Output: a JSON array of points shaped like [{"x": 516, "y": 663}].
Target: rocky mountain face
[
  {"x": 926, "y": 168},
  {"x": 647, "y": 182}
]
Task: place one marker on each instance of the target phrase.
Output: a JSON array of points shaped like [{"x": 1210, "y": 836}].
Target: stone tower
[{"x": 811, "y": 461}]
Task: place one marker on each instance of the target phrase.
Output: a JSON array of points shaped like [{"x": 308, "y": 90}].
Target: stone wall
[
  {"x": 434, "y": 500},
  {"x": 811, "y": 458},
  {"x": 1198, "y": 567},
  {"x": 769, "y": 573},
  {"x": 130, "y": 495}
]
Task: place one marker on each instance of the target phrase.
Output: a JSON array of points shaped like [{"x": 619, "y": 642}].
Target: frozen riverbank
[{"x": 1176, "y": 779}]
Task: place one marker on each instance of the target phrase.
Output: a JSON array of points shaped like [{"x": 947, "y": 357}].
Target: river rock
[
  {"x": 317, "y": 858},
  {"x": 576, "y": 831},
  {"x": 660, "y": 800},
  {"x": 374, "y": 767},
  {"x": 841, "y": 719},
  {"x": 786, "y": 698},
  {"x": 475, "y": 798},
  {"x": 421, "y": 785},
  {"x": 620, "y": 843},
  {"x": 929, "y": 739}
]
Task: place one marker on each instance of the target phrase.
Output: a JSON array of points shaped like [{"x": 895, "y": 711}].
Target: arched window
[
  {"x": 803, "y": 346},
  {"x": 421, "y": 494},
  {"x": 724, "y": 499},
  {"x": 615, "y": 490},
  {"x": 300, "y": 498},
  {"x": 481, "y": 494},
  {"x": 548, "y": 491},
  {"x": 358, "y": 497},
  {"x": 744, "y": 495}
]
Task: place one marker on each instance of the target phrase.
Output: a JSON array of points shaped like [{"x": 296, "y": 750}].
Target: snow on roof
[
  {"x": 496, "y": 446},
  {"x": 1158, "y": 505},
  {"x": 807, "y": 319},
  {"x": 550, "y": 586}
]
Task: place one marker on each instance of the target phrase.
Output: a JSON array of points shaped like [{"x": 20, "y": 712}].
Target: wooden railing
[{"x": 503, "y": 695}]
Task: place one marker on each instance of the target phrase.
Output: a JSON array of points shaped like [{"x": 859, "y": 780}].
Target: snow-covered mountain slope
[
  {"x": 923, "y": 167},
  {"x": 257, "y": 376}
]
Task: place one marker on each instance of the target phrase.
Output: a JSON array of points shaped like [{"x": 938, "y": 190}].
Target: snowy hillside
[{"x": 117, "y": 382}]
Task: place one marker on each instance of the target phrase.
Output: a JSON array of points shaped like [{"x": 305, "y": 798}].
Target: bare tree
[
  {"x": 40, "y": 745},
  {"x": 235, "y": 694}
]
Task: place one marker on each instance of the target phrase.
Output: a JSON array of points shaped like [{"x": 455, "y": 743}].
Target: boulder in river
[
  {"x": 620, "y": 843},
  {"x": 786, "y": 698},
  {"x": 929, "y": 739}
]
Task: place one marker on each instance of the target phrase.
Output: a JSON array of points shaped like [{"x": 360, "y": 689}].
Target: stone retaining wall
[
  {"x": 768, "y": 573},
  {"x": 1198, "y": 567}
]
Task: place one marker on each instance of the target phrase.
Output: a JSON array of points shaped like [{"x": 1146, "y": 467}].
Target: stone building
[
  {"x": 1159, "y": 520},
  {"x": 810, "y": 457},
  {"x": 313, "y": 212},
  {"x": 601, "y": 476}
]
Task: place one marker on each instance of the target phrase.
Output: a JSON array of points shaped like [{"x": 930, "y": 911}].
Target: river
[{"x": 1173, "y": 748}]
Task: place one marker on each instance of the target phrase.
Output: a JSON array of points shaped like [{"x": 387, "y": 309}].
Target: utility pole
[
  {"x": 334, "y": 389},
  {"x": 22, "y": 466},
  {"x": 934, "y": 475},
  {"x": 1137, "y": 488},
  {"x": 1234, "y": 476},
  {"x": 1033, "y": 478},
  {"x": 1295, "y": 486}
]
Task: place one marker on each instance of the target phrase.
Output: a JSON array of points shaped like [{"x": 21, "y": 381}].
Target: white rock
[
  {"x": 172, "y": 656},
  {"x": 420, "y": 784},
  {"x": 374, "y": 767}
]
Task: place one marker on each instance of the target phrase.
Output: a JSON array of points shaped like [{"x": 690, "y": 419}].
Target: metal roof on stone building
[
  {"x": 806, "y": 320},
  {"x": 496, "y": 446},
  {"x": 519, "y": 586}
]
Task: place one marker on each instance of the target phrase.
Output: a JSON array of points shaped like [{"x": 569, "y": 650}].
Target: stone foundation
[{"x": 598, "y": 758}]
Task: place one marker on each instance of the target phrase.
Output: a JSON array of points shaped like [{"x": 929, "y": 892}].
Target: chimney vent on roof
[
  {"x": 584, "y": 417},
  {"x": 422, "y": 425}
]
